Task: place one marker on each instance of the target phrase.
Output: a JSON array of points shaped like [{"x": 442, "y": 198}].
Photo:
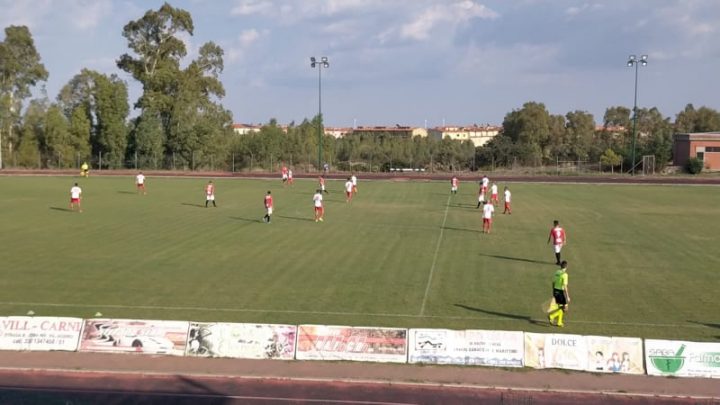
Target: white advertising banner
[
  {"x": 319, "y": 342},
  {"x": 39, "y": 333},
  {"x": 555, "y": 351},
  {"x": 682, "y": 359},
  {"x": 134, "y": 336},
  {"x": 614, "y": 355},
  {"x": 241, "y": 340},
  {"x": 467, "y": 347}
]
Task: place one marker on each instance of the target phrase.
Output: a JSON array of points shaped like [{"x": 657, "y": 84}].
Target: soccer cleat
[
  {"x": 560, "y": 325},
  {"x": 321, "y": 219},
  {"x": 550, "y": 320}
]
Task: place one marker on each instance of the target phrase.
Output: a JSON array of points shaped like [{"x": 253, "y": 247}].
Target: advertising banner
[
  {"x": 614, "y": 355},
  {"x": 134, "y": 336},
  {"x": 682, "y": 359},
  {"x": 467, "y": 347},
  {"x": 555, "y": 351},
  {"x": 318, "y": 342},
  {"x": 39, "y": 333},
  {"x": 241, "y": 340}
]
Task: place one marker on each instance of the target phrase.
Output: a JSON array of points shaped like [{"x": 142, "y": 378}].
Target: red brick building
[{"x": 702, "y": 145}]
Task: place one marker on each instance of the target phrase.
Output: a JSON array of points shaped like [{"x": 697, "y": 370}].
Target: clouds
[
  {"x": 250, "y": 7},
  {"x": 434, "y": 55},
  {"x": 79, "y": 14},
  {"x": 421, "y": 26},
  {"x": 238, "y": 48}
]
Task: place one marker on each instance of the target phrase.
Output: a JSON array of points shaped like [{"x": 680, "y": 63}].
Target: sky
[{"x": 409, "y": 62}]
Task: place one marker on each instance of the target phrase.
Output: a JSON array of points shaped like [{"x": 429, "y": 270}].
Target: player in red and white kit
[
  {"x": 454, "y": 184},
  {"x": 321, "y": 181},
  {"x": 290, "y": 177},
  {"x": 353, "y": 178},
  {"x": 508, "y": 195},
  {"x": 488, "y": 210},
  {"x": 140, "y": 183},
  {"x": 494, "y": 194},
  {"x": 284, "y": 172},
  {"x": 484, "y": 183},
  {"x": 558, "y": 238},
  {"x": 210, "y": 194},
  {"x": 75, "y": 196},
  {"x": 348, "y": 190},
  {"x": 318, "y": 205},
  {"x": 268, "y": 201}
]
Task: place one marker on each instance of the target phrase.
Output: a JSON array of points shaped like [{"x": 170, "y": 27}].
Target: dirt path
[{"x": 369, "y": 382}]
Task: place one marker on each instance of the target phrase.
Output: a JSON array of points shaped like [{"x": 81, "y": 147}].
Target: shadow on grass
[
  {"x": 247, "y": 219},
  {"x": 125, "y": 192},
  {"x": 709, "y": 325},
  {"x": 517, "y": 259},
  {"x": 474, "y": 206},
  {"x": 449, "y": 228},
  {"x": 193, "y": 205},
  {"x": 297, "y": 218},
  {"x": 61, "y": 209},
  {"x": 504, "y": 315}
]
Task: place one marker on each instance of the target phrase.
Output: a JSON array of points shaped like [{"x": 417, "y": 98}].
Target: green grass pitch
[{"x": 643, "y": 259}]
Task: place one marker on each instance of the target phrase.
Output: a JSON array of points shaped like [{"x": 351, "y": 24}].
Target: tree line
[
  {"x": 180, "y": 122},
  {"x": 179, "y": 111}
]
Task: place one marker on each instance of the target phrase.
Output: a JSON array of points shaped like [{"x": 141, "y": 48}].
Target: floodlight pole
[
  {"x": 320, "y": 64},
  {"x": 634, "y": 62}
]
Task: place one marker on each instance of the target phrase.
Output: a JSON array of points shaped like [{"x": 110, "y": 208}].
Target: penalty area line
[{"x": 434, "y": 261}]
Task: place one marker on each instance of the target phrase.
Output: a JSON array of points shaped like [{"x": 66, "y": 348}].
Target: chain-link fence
[{"x": 249, "y": 162}]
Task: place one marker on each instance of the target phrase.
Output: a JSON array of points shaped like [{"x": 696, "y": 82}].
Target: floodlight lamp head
[
  {"x": 630, "y": 63},
  {"x": 324, "y": 59},
  {"x": 325, "y": 64},
  {"x": 631, "y": 57},
  {"x": 644, "y": 63},
  {"x": 644, "y": 57},
  {"x": 312, "y": 64},
  {"x": 312, "y": 59}
]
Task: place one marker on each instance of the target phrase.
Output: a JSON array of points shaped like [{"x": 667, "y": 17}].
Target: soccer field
[{"x": 643, "y": 259}]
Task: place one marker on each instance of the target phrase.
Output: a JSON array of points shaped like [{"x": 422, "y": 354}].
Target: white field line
[
  {"x": 434, "y": 261},
  {"x": 338, "y": 313}
]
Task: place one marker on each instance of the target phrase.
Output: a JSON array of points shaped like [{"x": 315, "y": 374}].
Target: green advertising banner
[{"x": 682, "y": 359}]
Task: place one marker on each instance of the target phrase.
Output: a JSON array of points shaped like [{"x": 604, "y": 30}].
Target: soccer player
[
  {"x": 210, "y": 194},
  {"x": 140, "y": 183},
  {"x": 353, "y": 178},
  {"x": 321, "y": 180},
  {"x": 290, "y": 177},
  {"x": 481, "y": 198},
  {"x": 268, "y": 207},
  {"x": 558, "y": 238},
  {"x": 284, "y": 172},
  {"x": 484, "y": 183},
  {"x": 488, "y": 210},
  {"x": 75, "y": 196},
  {"x": 454, "y": 184},
  {"x": 85, "y": 170},
  {"x": 348, "y": 190},
  {"x": 508, "y": 195},
  {"x": 561, "y": 295},
  {"x": 494, "y": 194},
  {"x": 318, "y": 203}
]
